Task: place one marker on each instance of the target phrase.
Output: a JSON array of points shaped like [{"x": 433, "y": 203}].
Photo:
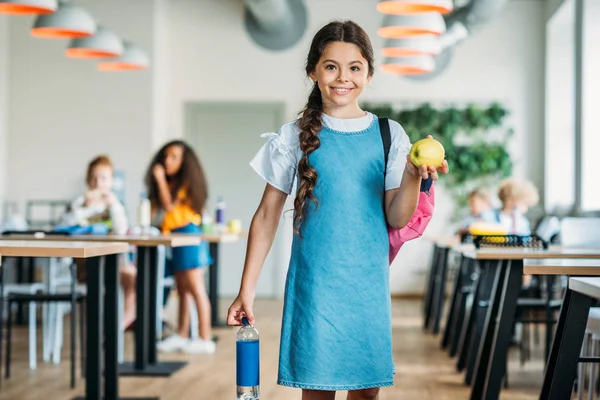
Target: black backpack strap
[{"x": 386, "y": 138}]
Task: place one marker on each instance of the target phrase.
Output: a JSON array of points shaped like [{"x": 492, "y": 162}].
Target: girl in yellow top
[{"x": 177, "y": 187}]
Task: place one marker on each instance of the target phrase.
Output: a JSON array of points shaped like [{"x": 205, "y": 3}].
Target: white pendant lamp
[
  {"x": 400, "y": 26},
  {"x": 403, "y": 7},
  {"x": 412, "y": 46},
  {"x": 68, "y": 21},
  {"x": 409, "y": 65},
  {"x": 102, "y": 44},
  {"x": 27, "y": 7},
  {"x": 132, "y": 59}
]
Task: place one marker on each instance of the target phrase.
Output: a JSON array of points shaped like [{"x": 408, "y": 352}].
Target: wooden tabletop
[
  {"x": 136, "y": 240},
  {"x": 520, "y": 254},
  {"x": 223, "y": 238},
  {"x": 444, "y": 241},
  {"x": 588, "y": 286},
  {"x": 561, "y": 266},
  {"x": 39, "y": 248}
]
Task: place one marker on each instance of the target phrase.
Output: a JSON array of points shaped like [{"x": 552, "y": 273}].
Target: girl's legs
[
  {"x": 182, "y": 283},
  {"x": 179, "y": 341},
  {"x": 128, "y": 276},
  {"x": 318, "y": 394},
  {"x": 197, "y": 289},
  {"x": 364, "y": 394}
]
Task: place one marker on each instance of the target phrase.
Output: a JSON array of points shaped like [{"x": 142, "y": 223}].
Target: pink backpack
[{"x": 420, "y": 219}]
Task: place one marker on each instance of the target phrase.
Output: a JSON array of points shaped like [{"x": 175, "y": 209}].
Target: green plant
[{"x": 474, "y": 138}]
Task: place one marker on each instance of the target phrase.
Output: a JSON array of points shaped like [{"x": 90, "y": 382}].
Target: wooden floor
[{"x": 423, "y": 370}]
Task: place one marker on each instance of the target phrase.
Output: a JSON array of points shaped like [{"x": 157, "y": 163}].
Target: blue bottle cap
[{"x": 245, "y": 321}]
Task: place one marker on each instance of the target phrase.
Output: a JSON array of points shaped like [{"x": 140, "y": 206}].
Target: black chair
[{"x": 73, "y": 298}]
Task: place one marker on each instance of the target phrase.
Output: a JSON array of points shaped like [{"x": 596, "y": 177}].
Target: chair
[{"x": 72, "y": 297}]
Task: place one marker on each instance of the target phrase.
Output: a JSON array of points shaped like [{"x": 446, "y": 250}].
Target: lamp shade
[
  {"x": 412, "y": 46},
  {"x": 400, "y": 26},
  {"x": 132, "y": 59},
  {"x": 27, "y": 7},
  {"x": 68, "y": 21},
  {"x": 403, "y": 7},
  {"x": 102, "y": 44},
  {"x": 409, "y": 65}
]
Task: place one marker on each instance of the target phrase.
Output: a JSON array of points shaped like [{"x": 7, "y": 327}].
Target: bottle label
[{"x": 248, "y": 363}]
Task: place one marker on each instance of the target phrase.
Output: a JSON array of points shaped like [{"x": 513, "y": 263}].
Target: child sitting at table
[
  {"x": 100, "y": 205},
  {"x": 516, "y": 195},
  {"x": 480, "y": 210}
]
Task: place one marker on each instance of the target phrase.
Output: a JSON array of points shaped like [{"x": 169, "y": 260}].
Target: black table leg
[
  {"x": 146, "y": 363},
  {"x": 454, "y": 305},
  {"x": 428, "y": 301},
  {"x": 465, "y": 291},
  {"x": 505, "y": 316},
  {"x": 440, "y": 289},
  {"x": 103, "y": 272},
  {"x": 2, "y": 314},
  {"x": 467, "y": 328},
  {"x": 95, "y": 322},
  {"x": 496, "y": 306},
  {"x": 561, "y": 368},
  {"x": 213, "y": 287},
  {"x": 490, "y": 275},
  {"x": 153, "y": 304},
  {"x": 111, "y": 326}
]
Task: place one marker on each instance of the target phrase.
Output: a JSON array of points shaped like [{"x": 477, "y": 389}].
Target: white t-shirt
[{"x": 277, "y": 160}]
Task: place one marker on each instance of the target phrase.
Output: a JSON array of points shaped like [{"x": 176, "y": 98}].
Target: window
[{"x": 590, "y": 98}]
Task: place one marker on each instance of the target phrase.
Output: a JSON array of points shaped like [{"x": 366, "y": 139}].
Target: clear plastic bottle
[
  {"x": 247, "y": 362},
  {"x": 220, "y": 215},
  {"x": 144, "y": 213}
]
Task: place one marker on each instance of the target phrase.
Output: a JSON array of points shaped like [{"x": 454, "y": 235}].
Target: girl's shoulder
[
  {"x": 400, "y": 140},
  {"x": 289, "y": 133},
  {"x": 396, "y": 129},
  {"x": 286, "y": 139}
]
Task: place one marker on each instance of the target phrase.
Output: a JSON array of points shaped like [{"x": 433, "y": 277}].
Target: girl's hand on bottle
[
  {"x": 241, "y": 307},
  {"x": 159, "y": 172}
]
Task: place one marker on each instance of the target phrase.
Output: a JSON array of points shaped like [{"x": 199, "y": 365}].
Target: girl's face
[
  {"x": 173, "y": 159},
  {"x": 101, "y": 178},
  {"x": 341, "y": 73}
]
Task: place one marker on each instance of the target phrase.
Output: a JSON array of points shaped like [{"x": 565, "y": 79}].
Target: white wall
[
  {"x": 63, "y": 112},
  {"x": 214, "y": 60},
  {"x": 4, "y": 46}
]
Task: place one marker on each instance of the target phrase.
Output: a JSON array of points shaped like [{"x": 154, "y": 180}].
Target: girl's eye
[
  {"x": 355, "y": 68},
  {"x": 330, "y": 67}
]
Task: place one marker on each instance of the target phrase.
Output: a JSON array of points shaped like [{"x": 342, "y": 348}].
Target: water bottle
[
  {"x": 220, "y": 217},
  {"x": 144, "y": 213},
  {"x": 247, "y": 362}
]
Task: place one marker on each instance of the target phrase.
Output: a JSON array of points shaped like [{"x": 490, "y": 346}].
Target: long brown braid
[{"x": 310, "y": 117}]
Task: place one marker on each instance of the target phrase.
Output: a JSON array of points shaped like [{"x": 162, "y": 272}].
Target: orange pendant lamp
[
  {"x": 403, "y": 7},
  {"x": 102, "y": 44},
  {"x": 132, "y": 59},
  {"x": 401, "y": 26},
  {"x": 412, "y": 46},
  {"x": 27, "y": 7},
  {"x": 68, "y": 22},
  {"x": 409, "y": 65}
]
